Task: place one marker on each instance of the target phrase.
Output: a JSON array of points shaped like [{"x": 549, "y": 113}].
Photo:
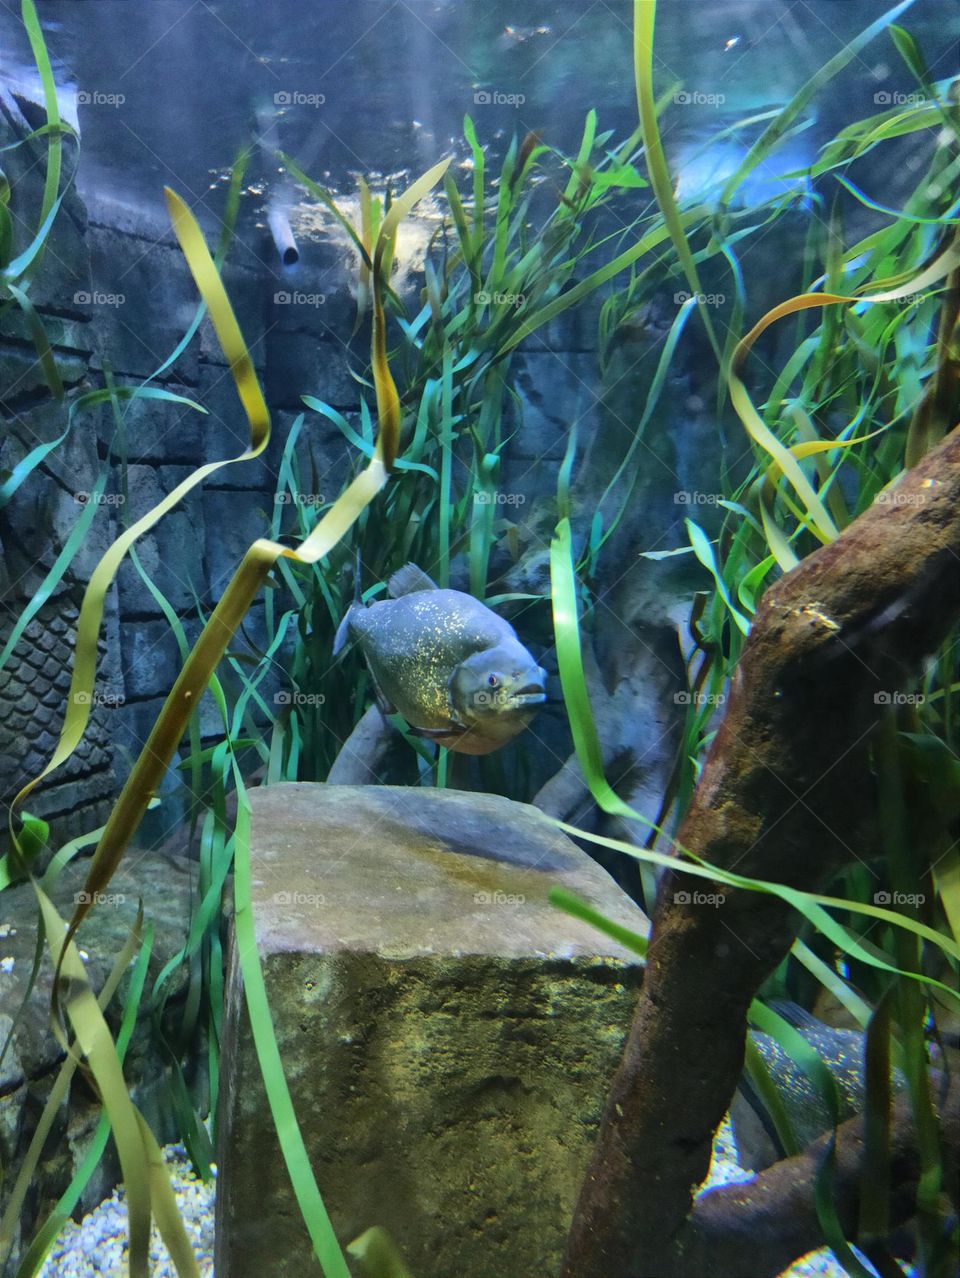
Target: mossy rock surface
[{"x": 447, "y": 1034}]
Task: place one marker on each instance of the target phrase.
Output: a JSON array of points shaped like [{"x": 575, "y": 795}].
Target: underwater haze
[{"x": 163, "y": 90}]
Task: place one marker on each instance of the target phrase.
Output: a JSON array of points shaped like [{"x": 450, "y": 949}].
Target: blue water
[{"x": 168, "y": 91}]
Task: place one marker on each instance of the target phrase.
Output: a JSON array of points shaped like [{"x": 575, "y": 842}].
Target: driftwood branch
[
  {"x": 760, "y": 1227},
  {"x": 363, "y": 755},
  {"x": 785, "y": 795}
]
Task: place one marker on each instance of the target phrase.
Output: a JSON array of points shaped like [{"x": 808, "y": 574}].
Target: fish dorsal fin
[{"x": 408, "y": 580}]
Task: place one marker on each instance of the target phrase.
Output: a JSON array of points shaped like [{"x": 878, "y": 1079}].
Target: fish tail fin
[
  {"x": 343, "y": 636},
  {"x": 409, "y": 580}
]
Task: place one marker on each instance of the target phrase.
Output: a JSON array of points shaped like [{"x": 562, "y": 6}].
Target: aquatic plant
[
  {"x": 500, "y": 267},
  {"x": 440, "y": 425},
  {"x": 146, "y": 1190},
  {"x": 878, "y": 372},
  {"x": 17, "y": 271},
  {"x": 493, "y": 276}
]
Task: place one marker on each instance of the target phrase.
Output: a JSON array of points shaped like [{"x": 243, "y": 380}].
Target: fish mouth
[{"x": 531, "y": 694}]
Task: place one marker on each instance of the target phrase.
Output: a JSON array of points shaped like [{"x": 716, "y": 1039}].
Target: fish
[
  {"x": 841, "y": 1050},
  {"x": 454, "y": 670}
]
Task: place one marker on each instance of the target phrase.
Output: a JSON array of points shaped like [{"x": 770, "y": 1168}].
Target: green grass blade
[
  {"x": 51, "y": 183},
  {"x": 652, "y": 399},
  {"x": 60, "y": 565},
  {"x": 446, "y": 471},
  {"x": 644, "y": 17},
  {"x": 704, "y": 552},
  {"x": 810, "y": 904},
  {"x": 833, "y": 982},
  {"x": 328, "y": 203},
  {"x": 874, "y": 1218},
  {"x": 40, "y": 340},
  {"x": 570, "y": 662},
  {"x": 574, "y": 905},
  {"x": 94, "y": 1040},
  {"x": 759, "y": 1074},
  {"x": 651, "y": 240},
  {"x": 305, "y": 1189},
  {"x": 479, "y": 163},
  {"x": 774, "y": 132},
  {"x": 17, "y": 269},
  {"x": 63, "y": 1209},
  {"x": 379, "y": 1255}
]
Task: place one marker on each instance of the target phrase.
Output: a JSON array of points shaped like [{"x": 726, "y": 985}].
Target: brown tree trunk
[{"x": 785, "y": 794}]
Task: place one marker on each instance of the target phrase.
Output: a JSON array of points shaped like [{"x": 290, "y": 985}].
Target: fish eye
[{"x": 492, "y": 681}]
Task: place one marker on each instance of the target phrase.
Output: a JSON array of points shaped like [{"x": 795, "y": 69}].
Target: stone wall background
[{"x": 99, "y": 253}]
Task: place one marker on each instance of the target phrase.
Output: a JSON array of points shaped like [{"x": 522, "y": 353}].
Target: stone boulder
[{"x": 448, "y": 1036}]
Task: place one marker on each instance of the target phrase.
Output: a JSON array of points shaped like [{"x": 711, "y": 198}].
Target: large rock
[{"x": 448, "y": 1035}]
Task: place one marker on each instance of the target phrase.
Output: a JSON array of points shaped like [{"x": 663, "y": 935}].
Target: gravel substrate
[{"x": 97, "y": 1247}]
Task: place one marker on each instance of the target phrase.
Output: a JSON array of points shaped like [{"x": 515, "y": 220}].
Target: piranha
[{"x": 452, "y": 668}]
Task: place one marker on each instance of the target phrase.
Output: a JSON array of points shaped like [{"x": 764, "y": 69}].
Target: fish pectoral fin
[
  {"x": 382, "y": 702},
  {"x": 409, "y": 580}
]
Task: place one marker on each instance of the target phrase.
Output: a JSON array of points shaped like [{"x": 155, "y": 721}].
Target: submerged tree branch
[
  {"x": 784, "y": 793},
  {"x": 361, "y": 757},
  {"x": 760, "y": 1227}
]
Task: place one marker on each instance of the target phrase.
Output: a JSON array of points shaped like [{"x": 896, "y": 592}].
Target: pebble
[{"x": 97, "y": 1247}]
